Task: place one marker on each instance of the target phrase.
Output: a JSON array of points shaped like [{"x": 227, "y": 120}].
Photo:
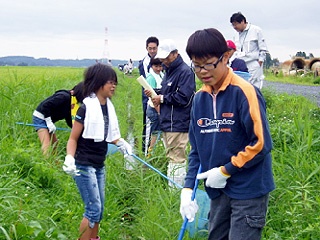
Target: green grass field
[{"x": 39, "y": 201}]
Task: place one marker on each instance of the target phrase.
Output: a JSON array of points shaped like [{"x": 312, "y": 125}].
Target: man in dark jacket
[{"x": 178, "y": 88}]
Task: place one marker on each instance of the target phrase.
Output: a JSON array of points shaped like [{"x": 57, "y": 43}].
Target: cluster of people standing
[
  {"x": 169, "y": 111},
  {"x": 225, "y": 122}
]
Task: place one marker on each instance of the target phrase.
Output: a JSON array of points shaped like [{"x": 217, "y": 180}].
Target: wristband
[
  {"x": 226, "y": 175},
  {"x": 161, "y": 98}
]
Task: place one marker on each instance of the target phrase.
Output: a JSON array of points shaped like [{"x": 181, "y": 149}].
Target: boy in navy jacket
[{"x": 230, "y": 138}]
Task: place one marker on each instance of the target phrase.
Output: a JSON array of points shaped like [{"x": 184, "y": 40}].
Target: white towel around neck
[{"x": 94, "y": 123}]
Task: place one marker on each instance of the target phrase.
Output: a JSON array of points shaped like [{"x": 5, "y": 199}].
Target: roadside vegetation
[
  {"x": 39, "y": 201},
  {"x": 276, "y": 75}
]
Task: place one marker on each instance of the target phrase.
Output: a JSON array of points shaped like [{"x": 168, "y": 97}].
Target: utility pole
[{"x": 106, "y": 53}]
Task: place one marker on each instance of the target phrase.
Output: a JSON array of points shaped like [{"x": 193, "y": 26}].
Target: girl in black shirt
[{"x": 95, "y": 125}]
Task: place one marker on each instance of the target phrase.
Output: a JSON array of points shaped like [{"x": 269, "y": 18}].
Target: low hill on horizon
[{"x": 31, "y": 61}]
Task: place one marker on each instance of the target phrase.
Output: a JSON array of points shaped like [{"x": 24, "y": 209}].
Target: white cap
[{"x": 165, "y": 48}]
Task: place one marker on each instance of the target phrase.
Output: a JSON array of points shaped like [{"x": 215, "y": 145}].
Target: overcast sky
[{"x": 71, "y": 29}]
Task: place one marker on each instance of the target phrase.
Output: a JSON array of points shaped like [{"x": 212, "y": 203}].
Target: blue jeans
[
  {"x": 39, "y": 123},
  {"x": 235, "y": 219},
  {"x": 153, "y": 115},
  {"x": 91, "y": 185}
]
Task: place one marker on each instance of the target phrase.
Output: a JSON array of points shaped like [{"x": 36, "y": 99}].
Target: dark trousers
[
  {"x": 232, "y": 219},
  {"x": 144, "y": 108}
]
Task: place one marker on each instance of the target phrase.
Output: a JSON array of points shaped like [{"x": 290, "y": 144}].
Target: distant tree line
[
  {"x": 269, "y": 62},
  {"x": 30, "y": 61}
]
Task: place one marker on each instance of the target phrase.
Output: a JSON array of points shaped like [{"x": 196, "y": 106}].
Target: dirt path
[{"x": 311, "y": 92}]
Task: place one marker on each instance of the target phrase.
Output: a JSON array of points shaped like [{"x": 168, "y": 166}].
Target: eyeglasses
[
  {"x": 208, "y": 66},
  {"x": 112, "y": 82}
]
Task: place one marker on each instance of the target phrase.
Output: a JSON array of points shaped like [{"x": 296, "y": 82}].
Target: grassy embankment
[{"x": 309, "y": 79}]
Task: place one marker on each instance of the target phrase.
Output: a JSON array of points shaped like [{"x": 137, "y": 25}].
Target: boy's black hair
[
  {"x": 155, "y": 61},
  {"x": 206, "y": 43}
]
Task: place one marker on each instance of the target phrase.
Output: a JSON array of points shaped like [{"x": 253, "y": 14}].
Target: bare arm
[{"x": 73, "y": 138}]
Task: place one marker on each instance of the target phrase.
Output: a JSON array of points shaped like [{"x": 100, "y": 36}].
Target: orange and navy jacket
[{"x": 230, "y": 129}]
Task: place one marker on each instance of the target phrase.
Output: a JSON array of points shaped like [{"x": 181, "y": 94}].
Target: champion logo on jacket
[{"x": 217, "y": 123}]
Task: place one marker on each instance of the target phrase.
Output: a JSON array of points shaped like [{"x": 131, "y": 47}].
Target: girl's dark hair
[
  {"x": 206, "y": 43},
  {"x": 238, "y": 17},
  {"x": 155, "y": 61},
  {"x": 78, "y": 91},
  {"x": 96, "y": 76}
]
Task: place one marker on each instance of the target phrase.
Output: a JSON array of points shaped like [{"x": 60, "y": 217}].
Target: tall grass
[
  {"x": 39, "y": 201},
  {"x": 294, "y": 205}
]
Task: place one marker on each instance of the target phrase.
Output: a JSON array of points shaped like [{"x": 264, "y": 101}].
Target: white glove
[
  {"x": 51, "y": 127},
  {"x": 69, "y": 166},
  {"x": 124, "y": 147},
  {"x": 215, "y": 178},
  {"x": 188, "y": 208}
]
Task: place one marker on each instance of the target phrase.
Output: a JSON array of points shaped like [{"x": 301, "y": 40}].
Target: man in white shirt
[{"x": 251, "y": 47}]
